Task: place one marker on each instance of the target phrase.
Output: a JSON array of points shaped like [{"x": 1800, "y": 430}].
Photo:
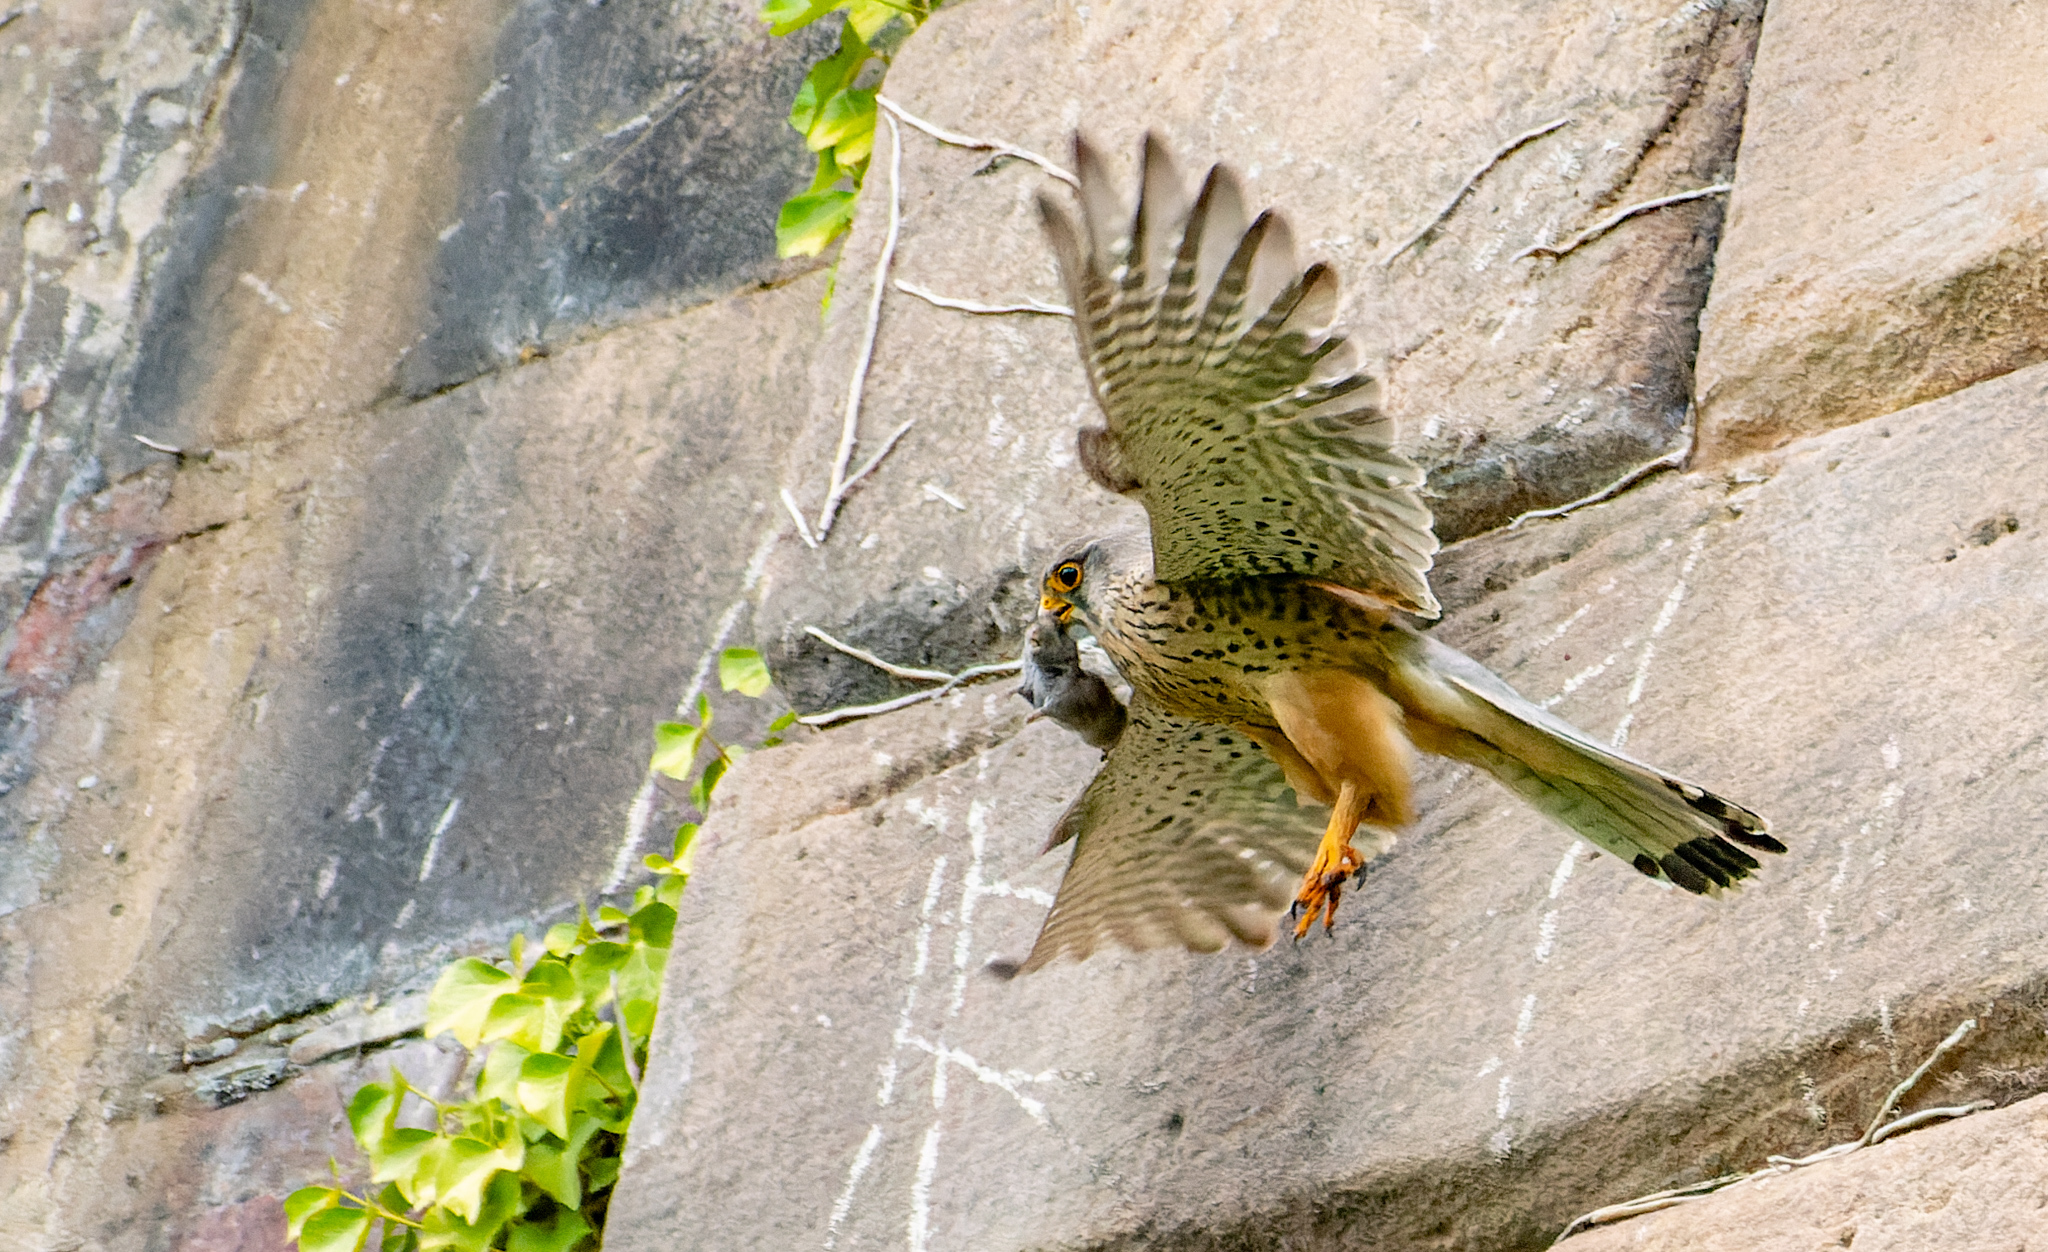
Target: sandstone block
[
  {"x": 1886, "y": 241},
  {"x": 1981, "y": 1182},
  {"x": 1520, "y": 382},
  {"x": 1505, "y": 1030}
]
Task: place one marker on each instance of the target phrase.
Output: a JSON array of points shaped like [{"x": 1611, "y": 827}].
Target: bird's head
[{"x": 1081, "y": 580}]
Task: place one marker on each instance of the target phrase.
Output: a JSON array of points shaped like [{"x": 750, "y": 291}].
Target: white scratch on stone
[
  {"x": 264, "y": 290},
  {"x": 641, "y": 813},
  {"x": 441, "y": 826},
  {"x": 11, "y": 494},
  {"x": 1563, "y": 873},
  {"x": 1665, "y": 616},
  {"x": 1006, "y": 1081},
  {"x": 862, "y": 1158},
  {"x": 921, "y": 1191},
  {"x": 1890, "y": 752},
  {"x": 328, "y": 874},
  {"x": 971, "y": 891},
  {"x": 1546, "y": 936},
  {"x": 1526, "y": 1019},
  {"x": 889, "y": 1069}
]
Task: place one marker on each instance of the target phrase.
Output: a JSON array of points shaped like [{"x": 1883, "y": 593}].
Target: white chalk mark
[
  {"x": 970, "y": 894},
  {"x": 1035, "y": 895},
  {"x": 1006, "y": 1081},
  {"x": 11, "y": 495},
  {"x": 263, "y": 289},
  {"x": 1665, "y": 616},
  {"x": 441, "y": 826},
  {"x": 862, "y": 1158},
  {"x": 886, "y": 1093},
  {"x": 921, "y": 1191},
  {"x": 642, "y": 811},
  {"x": 1563, "y": 873},
  {"x": 1526, "y": 1020},
  {"x": 1546, "y": 936}
]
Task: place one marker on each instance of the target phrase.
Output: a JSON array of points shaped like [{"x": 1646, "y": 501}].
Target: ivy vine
[
  {"x": 528, "y": 1161},
  {"x": 834, "y": 110}
]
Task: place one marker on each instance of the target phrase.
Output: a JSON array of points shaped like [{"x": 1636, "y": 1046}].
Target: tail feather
[{"x": 1666, "y": 827}]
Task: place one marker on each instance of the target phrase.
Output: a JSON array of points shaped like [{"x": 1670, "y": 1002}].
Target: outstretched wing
[
  {"x": 1188, "y": 836},
  {"x": 1254, "y": 441}
]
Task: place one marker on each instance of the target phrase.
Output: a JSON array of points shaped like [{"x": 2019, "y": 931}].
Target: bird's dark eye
[{"x": 1066, "y": 576}]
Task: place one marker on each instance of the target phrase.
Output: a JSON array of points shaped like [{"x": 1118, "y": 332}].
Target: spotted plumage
[{"x": 1266, "y": 602}]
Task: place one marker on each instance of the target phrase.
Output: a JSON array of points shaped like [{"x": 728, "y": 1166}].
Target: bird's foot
[{"x": 1323, "y": 886}]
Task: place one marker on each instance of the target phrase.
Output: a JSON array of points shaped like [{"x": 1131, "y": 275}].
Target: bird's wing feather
[
  {"x": 1254, "y": 442},
  {"x": 1188, "y": 836}
]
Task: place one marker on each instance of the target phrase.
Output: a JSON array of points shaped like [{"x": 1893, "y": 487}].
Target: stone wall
[{"x": 482, "y": 385}]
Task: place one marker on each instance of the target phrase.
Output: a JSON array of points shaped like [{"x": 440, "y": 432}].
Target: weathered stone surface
[
  {"x": 1886, "y": 240},
  {"x": 1977, "y": 1183},
  {"x": 624, "y": 159},
  {"x": 1520, "y": 383},
  {"x": 1504, "y": 1031},
  {"x": 387, "y": 692}
]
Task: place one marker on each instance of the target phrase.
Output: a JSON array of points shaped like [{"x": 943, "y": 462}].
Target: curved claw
[{"x": 1322, "y": 887}]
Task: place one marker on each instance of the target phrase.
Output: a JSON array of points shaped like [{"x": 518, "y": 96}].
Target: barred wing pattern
[
  {"x": 1244, "y": 427},
  {"x": 1188, "y": 836}
]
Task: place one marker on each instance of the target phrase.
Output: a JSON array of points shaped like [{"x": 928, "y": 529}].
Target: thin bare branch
[
  {"x": 1924, "y": 1116},
  {"x": 972, "y": 306},
  {"x": 876, "y": 459},
  {"x": 1670, "y": 460},
  {"x": 152, "y": 444},
  {"x": 803, "y": 527},
  {"x": 1899, "y": 1092},
  {"x": 959, "y": 140},
  {"x": 830, "y": 716},
  {"x": 862, "y": 654},
  {"x": 1500, "y": 154},
  {"x": 1879, "y": 1131},
  {"x": 1594, "y": 232},
  {"x": 849, "y": 428}
]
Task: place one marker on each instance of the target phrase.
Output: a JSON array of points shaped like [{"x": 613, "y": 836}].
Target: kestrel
[{"x": 1262, "y": 624}]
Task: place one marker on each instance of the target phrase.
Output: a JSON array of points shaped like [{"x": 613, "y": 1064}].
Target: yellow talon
[{"x": 1336, "y": 861}]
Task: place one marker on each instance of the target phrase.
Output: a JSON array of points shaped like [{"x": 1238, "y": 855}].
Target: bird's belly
[{"x": 1209, "y": 654}]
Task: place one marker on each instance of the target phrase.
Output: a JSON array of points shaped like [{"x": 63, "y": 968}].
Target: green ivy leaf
[
  {"x": 467, "y": 1165},
  {"x": 670, "y": 890},
  {"x": 594, "y": 966},
  {"x": 532, "y": 1022},
  {"x": 334, "y": 1230},
  {"x": 828, "y": 78},
  {"x": 501, "y": 1072},
  {"x": 707, "y": 782},
  {"x": 743, "y": 670},
  {"x": 499, "y": 1203},
  {"x": 675, "y": 749},
  {"x": 304, "y": 1203},
  {"x": 868, "y": 17},
  {"x": 847, "y": 126},
  {"x": 546, "y": 1080},
  {"x": 560, "y": 939},
  {"x": 654, "y": 926},
  {"x": 555, "y": 1171},
  {"x": 400, "y": 1158},
  {"x": 599, "y": 1173},
  {"x": 809, "y": 223},
  {"x": 686, "y": 838},
  {"x": 563, "y": 1230},
  {"x": 372, "y": 1112},
  {"x": 784, "y": 16},
  {"x": 609, "y": 916},
  {"x": 463, "y": 998}
]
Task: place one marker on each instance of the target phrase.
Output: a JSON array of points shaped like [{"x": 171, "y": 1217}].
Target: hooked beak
[{"x": 1057, "y": 607}]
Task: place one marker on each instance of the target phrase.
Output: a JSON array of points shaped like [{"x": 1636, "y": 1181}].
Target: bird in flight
[{"x": 1262, "y": 619}]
